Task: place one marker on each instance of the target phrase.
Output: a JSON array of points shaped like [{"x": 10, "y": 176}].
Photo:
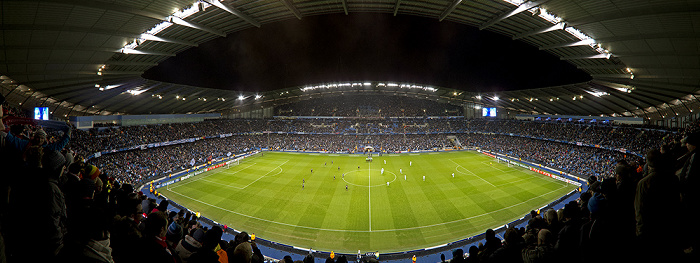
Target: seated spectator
[
  {"x": 189, "y": 245},
  {"x": 543, "y": 252},
  {"x": 211, "y": 251}
]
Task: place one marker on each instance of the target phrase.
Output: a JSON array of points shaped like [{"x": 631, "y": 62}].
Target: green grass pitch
[{"x": 264, "y": 195}]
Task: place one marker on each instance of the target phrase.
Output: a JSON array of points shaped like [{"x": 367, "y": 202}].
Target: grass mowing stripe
[{"x": 408, "y": 214}]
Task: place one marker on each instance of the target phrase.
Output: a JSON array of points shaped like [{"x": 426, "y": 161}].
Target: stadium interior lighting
[
  {"x": 366, "y": 83},
  {"x": 561, "y": 25},
  {"x": 240, "y": 97},
  {"x": 392, "y": 85},
  {"x": 177, "y": 97},
  {"x": 102, "y": 89},
  {"x": 109, "y": 87},
  {"x": 99, "y": 73},
  {"x": 150, "y": 34},
  {"x": 97, "y": 85},
  {"x": 597, "y": 93},
  {"x": 478, "y": 97},
  {"x": 495, "y": 98},
  {"x": 257, "y": 97}
]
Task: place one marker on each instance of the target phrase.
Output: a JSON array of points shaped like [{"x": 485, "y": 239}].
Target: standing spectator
[
  {"x": 510, "y": 252},
  {"x": 657, "y": 191},
  {"x": 690, "y": 183},
  {"x": 568, "y": 240}
]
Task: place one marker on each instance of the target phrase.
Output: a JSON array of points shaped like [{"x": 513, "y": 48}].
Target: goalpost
[
  {"x": 507, "y": 162},
  {"x": 232, "y": 162}
]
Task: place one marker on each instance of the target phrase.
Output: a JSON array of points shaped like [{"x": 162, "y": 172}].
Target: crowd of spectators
[
  {"x": 138, "y": 166},
  {"x": 632, "y": 139},
  {"x": 618, "y": 219},
  {"x": 58, "y": 207}
]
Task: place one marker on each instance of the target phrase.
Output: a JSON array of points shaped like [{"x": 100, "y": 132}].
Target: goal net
[{"x": 232, "y": 163}]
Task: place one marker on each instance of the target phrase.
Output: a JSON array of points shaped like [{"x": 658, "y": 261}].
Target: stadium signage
[{"x": 540, "y": 171}]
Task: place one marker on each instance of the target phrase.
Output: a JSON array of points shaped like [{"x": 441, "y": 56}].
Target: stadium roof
[{"x": 84, "y": 57}]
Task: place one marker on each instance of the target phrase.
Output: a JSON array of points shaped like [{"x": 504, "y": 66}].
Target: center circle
[{"x": 364, "y": 176}]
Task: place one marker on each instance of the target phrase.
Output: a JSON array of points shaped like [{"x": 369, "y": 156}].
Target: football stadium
[{"x": 311, "y": 131}]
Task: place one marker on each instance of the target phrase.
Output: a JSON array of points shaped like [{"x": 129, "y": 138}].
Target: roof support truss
[
  {"x": 522, "y": 7},
  {"x": 449, "y": 9},
  {"x": 236, "y": 12},
  {"x": 292, "y": 8}
]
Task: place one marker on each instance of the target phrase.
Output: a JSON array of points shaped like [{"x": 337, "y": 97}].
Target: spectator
[
  {"x": 458, "y": 256},
  {"x": 189, "y": 245},
  {"x": 153, "y": 247},
  {"x": 510, "y": 252},
  {"x": 543, "y": 252},
  {"x": 211, "y": 251},
  {"x": 657, "y": 191}
]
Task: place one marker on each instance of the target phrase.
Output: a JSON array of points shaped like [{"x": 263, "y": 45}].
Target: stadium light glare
[
  {"x": 135, "y": 92},
  {"x": 495, "y": 98},
  {"x": 478, "y": 97},
  {"x": 257, "y": 97},
  {"x": 240, "y": 97}
]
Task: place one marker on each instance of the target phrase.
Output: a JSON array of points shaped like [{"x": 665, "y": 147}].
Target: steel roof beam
[
  {"x": 643, "y": 10},
  {"x": 449, "y": 9},
  {"x": 102, "y": 6},
  {"x": 569, "y": 44},
  {"x": 596, "y": 56},
  {"x": 558, "y": 26},
  {"x": 95, "y": 49},
  {"x": 89, "y": 30},
  {"x": 396, "y": 7},
  {"x": 292, "y": 8},
  {"x": 39, "y": 73},
  {"x": 190, "y": 24},
  {"x": 84, "y": 62},
  {"x": 232, "y": 10},
  {"x": 345, "y": 6},
  {"x": 522, "y": 7}
]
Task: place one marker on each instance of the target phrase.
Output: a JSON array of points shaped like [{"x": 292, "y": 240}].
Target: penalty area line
[{"x": 482, "y": 179}]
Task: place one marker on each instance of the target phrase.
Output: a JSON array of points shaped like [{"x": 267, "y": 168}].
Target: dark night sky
[{"x": 362, "y": 47}]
